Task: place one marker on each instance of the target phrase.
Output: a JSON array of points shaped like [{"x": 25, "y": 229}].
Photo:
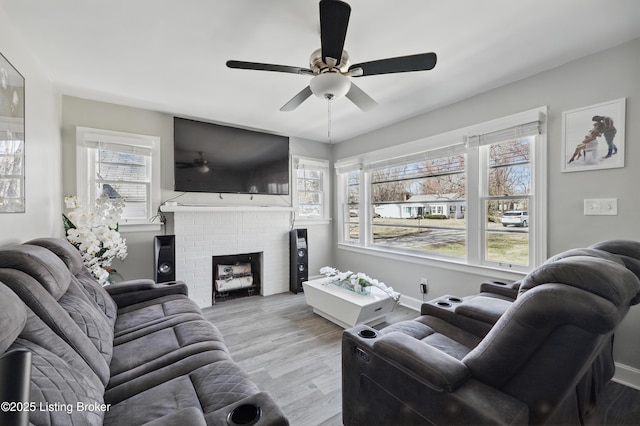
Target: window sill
[
  {"x": 303, "y": 221},
  {"x": 447, "y": 264},
  {"x": 139, "y": 227}
]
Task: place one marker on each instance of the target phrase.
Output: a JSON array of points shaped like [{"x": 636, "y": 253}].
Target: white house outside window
[
  {"x": 417, "y": 205},
  {"x": 120, "y": 165}
]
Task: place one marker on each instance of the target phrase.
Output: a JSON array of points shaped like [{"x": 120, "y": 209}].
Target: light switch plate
[{"x": 601, "y": 207}]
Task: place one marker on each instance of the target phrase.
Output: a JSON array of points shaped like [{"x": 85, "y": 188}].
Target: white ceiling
[{"x": 169, "y": 55}]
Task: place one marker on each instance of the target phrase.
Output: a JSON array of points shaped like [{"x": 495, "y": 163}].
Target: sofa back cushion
[
  {"x": 59, "y": 376},
  {"x": 13, "y": 317},
  {"x": 629, "y": 253},
  {"x": 63, "y": 249},
  {"x": 41, "y": 264},
  {"x": 86, "y": 333},
  {"x": 595, "y": 275},
  {"x": 72, "y": 258}
]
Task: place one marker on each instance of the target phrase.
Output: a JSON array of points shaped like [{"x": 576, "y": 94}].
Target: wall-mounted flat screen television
[{"x": 213, "y": 158}]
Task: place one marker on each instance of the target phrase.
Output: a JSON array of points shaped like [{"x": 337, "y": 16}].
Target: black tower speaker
[
  {"x": 164, "y": 258},
  {"x": 299, "y": 259}
]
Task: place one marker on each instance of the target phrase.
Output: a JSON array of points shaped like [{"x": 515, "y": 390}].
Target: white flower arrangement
[
  {"x": 358, "y": 281},
  {"x": 94, "y": 232}
]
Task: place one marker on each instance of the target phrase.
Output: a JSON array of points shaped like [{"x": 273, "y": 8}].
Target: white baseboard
[
  {"x": 411, "y": 302},
  {"x": 628, "y": 376}
]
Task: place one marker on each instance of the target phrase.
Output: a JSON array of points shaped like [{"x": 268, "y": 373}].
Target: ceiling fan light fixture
[{"x": 330, "y": 85}]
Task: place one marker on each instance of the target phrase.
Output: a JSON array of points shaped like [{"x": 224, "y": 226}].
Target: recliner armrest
[
  {"x": 130, "y": 285},
  {"x": 440, "y": 370},
  {"x": 501, "y": 289},
  {"x": 128, "y": 293}
]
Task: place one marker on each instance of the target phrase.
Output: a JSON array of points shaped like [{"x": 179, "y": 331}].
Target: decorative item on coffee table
[{"x": 357, "y": 282}]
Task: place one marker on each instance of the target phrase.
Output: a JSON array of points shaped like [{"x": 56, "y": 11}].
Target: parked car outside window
[{"x": 515, "y": 218}]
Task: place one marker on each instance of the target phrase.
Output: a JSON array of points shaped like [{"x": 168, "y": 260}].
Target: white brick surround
[{"x": 203, "y": 232}]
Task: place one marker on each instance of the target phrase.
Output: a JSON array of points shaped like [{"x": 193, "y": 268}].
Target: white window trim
[
  {"x": 475, "y": 215},
  {"x": 312, "y": 164},
  {"x": 84, "y": 138}
]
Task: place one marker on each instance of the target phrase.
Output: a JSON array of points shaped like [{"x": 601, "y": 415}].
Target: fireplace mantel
[{"x": 166, "y": 208}]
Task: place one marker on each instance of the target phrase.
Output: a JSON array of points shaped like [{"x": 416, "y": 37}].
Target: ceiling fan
[{"x": 330, "y": 66}]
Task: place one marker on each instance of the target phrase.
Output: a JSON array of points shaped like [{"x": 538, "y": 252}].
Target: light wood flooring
[{"x": 294, "y": 355}]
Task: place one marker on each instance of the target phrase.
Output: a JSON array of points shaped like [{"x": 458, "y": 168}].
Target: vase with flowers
[
  {"x": 357, "y": 282},
  {"x": 94, "y": 232}
]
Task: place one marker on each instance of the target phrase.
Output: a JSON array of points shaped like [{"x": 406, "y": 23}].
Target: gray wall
[
  {"x": 43, "y": 166},
  {"x": 605, "y": 76},
  {"x": 101, "y": 115}
]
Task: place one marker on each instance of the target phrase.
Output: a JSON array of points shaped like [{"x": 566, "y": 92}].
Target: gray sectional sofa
[{"x": 128, "y": 354}]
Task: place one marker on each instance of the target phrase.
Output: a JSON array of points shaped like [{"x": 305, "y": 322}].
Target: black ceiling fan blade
[
  {"x": 267, "y": 67},
  {"x": 334, "y": 19},
  {"x": 419, "y": 62},
  {"x": 297, "y": 99},
  {"x": 360, "y": 98}
]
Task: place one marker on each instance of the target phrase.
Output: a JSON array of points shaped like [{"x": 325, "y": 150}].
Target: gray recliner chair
[{"x": 525, "y": 370}]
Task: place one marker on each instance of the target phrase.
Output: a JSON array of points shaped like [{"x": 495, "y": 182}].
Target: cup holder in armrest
[
  {"x": 245, "y": 414},
  {"x": 454, "y": 299},
  {"x": 443, "y": 304},
  {"x": 367, "y": 334}
]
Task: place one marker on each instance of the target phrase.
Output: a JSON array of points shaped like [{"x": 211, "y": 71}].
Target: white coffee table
[{"x": 345, "y": 307}]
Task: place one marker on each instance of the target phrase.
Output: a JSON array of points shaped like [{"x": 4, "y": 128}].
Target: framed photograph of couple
[{"x": 593, "y": 137}]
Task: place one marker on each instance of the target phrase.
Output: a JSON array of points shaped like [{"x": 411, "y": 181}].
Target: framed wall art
[
  {"x": 593, "y": 137},
  {"x": 11, "y": 139}
]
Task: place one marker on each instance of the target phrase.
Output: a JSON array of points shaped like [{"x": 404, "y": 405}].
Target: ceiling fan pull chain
[{"x": 329, "y": 120}]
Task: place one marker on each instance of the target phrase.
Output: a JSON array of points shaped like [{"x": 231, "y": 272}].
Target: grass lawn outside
[{"x": 448, "y": 237}]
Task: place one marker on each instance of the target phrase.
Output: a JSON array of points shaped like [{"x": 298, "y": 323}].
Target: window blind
[
  {"x": 509, "y": 133},
  {"x": 119, "y": 147},
  {"x": 451, "y": 150}
]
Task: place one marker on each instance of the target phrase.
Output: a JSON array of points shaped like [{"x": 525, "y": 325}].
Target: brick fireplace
[{"x": 203, "y": 232}]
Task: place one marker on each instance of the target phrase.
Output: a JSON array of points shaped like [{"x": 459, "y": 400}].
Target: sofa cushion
[
  {"x": 49, "y": 310},
  {"x": 437, "y": 333},
  {"x": 72, "y": 258},
  {"x": 64, "y": 250},
  {"x": 208, "y": 388},
  {"x": 41, "y": 264},
  {"x": 165, "y": 346},
  {"x": 13, "y": 317},
  {"x": 605, "y": 278},
  {"x": 156, "y": 311},
  {"x": 59, "y": 375},
  {"x": 92, "y": 322},
  {"x": 59, "y": 385}
]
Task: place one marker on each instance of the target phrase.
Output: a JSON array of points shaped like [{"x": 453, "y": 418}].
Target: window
[
  {"x": 507, "y": 201},
  {"x": 479, "y": 200},
  {"x": 351, "y": 209},
  {"x": 419, "y": 205},
  {"x": 120, "y": 165},
  {"x": 312, "y": 188}
]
